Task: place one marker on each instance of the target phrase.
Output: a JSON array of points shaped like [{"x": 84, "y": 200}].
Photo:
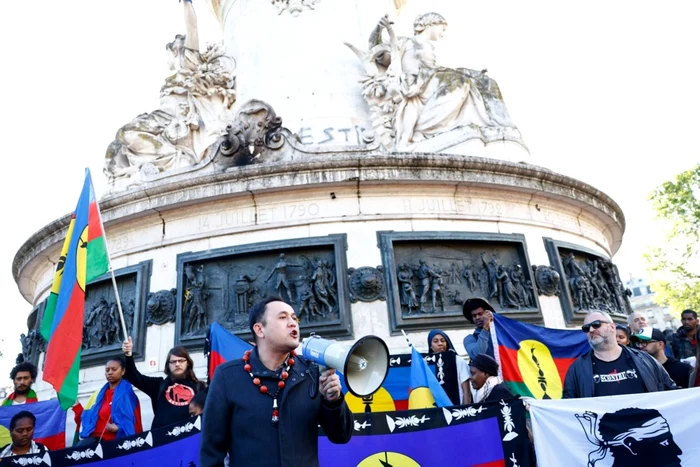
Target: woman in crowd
[
  {"x": 452, "y": 371},
  {"x": 22, "y": 431},
  {"x": 116, "y": 412},
  {"x": 622, "y": 333},
  {"x": 484, "y": 370},
  {"x": 170, "y": 396}
]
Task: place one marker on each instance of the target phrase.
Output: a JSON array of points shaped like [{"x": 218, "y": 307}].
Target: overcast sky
[{"x": 606, "y": 92}]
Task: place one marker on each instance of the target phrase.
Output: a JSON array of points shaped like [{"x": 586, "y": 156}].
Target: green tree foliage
[{"x": 675, "y": 265}]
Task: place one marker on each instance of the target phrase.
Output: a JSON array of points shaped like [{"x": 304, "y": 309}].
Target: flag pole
[
  {"x": 410, "y": 345},
  {"x": 111, "y": 269}
]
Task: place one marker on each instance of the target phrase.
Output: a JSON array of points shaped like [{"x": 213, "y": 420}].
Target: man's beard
[
  {"x": 23, "y": 392},
  {"x": 602, "y": 343}
]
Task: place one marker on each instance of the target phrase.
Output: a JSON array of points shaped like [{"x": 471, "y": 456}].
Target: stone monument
[{"x": 369, "y": 186}]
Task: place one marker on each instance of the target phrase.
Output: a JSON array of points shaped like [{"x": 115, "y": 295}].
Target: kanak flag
[
  {"x": 224, "y": 346},
  {"x": 50, "y": 427},
  {"x": 534, "y": 359}
]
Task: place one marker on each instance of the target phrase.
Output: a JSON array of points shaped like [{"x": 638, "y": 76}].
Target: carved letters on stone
[
  {"x": 412, "y": 99},
  {"x": 590, "y": 282},
  {"x": 221, "y": 286},
  {"x": 160, "y": 307},
  {"x": 547, "y": 279},
  {"x": 432, "y": 273},
  {"x": 366, "y": 284}
]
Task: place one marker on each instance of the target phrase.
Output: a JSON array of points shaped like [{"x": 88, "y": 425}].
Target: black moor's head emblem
[{"x": 631, "y": 436}]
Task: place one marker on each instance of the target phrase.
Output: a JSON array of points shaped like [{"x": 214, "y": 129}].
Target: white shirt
[
  {"x": 33, "y": 449},
  {"x": 463, "y": 374}
]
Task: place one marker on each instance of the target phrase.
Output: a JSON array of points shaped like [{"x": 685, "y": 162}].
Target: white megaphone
[{"x": 364, "y": 365}]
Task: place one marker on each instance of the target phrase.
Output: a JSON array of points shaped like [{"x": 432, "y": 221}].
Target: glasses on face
[
  {"x": 593, "y": 324},
  {"x": 643, "y": 344},
  {"x": 180, "y": 361}
]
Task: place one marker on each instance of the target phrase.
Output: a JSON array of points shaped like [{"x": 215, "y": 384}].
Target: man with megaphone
[{"x": 264, "y": 409}]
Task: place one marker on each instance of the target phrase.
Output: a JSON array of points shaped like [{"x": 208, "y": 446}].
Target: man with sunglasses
[
  {"x": 610, "y": 369},
  {"x": 653, "y": 342}
]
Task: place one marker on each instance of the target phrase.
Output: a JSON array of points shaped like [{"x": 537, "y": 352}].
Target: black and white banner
[{"x": 655, "y": 429}]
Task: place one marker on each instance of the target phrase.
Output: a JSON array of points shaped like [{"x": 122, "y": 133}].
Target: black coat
[
  {"x": 170, "y": 399},
  {"x": 237, "y": 418},
  {"x": 499, "y": 392},
  {"x": 579, "y": 377}
]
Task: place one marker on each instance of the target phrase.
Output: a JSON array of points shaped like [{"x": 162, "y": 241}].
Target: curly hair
[
  {"x": 24, "y": 366},
  {"x": 427, "y": 19}
]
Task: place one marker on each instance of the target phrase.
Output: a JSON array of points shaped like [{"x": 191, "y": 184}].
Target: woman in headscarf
[
  {"x": 451, "y": 371},
  {"x": 484, "y": 376},
  {"x": 116, "y": 412}
]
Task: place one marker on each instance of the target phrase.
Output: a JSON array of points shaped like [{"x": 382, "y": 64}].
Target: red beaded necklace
[{"x": 280, "y": 385}]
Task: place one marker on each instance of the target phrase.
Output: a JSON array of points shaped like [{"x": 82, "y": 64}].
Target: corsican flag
[{"x": 655, "y": 429}]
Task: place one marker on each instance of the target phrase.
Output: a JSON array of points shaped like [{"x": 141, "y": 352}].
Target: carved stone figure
[
  {"x": 436, "y": 284},
  {"x": 453, "y": 275},
  {"x": 195, "y": 309},
  {"x": 522, "y": 289},
  {"x": 491, "y": 269},
  {"x": 243, "y": 290},
  {"x": 406, "y": 292},
  {"x": 425, "y": 275},
  {"x": 469, "y": 276},
  {"x": 281, "y": 281},
  {"x": 366, "y": 284},
  {"x": 507, "y": 295},
  {"x": 294, "y": 7},
  {"x": 255, "y": 131},
  {"x": 321, "y": 288},
  {"x": 594, "y": 284},
  {"x": 195, "y": 104},
  {"x": 26, "y": 342},
  {"x": 547, "y": 279},
  {"x": 160, "y": 307},
  {"x": 412, "y": 98},
  {"x": 95, "y": 328}
]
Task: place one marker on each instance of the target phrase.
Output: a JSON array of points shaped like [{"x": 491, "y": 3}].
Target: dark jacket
[
  {"x": 682, "y": 345},
  {"x": 678, "y": 371},
  {"x": 170, "y": 399},
  {"x": 499, "y": 392},
  {"x": 478, "y": 342},
  {"x": 237, "y": 418},
  {"x": 579, "y": 378}
]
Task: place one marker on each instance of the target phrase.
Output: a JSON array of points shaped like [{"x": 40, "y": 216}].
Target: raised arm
[
  {"x": 192, "y": 38},
  {"x": 148, "y": 384}
]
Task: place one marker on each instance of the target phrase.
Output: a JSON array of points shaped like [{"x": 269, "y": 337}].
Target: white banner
[{"x": 655, "y": 429}]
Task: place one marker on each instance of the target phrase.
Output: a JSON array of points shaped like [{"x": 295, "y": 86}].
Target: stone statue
[
  {"x": 407, "y": 294},
  {"x": 280, "y": 269},
  {"x": 436, "y": 284},
  {"x": 412, "y": 98},
  {"x": 453, "y": 275},
  {"x": 491, "y": 269},
  {"x": 294, "y": 7},
  {"x": 195, "y": 311},
  {"x": 321, "y": 287},
  {"x": 469, "y": 274},
  {"x": 195, "y": 104},
  {"x": 547, "y": 279},
  {"x": 425, "y": 274},
  {"x": 507, "y": 295}
]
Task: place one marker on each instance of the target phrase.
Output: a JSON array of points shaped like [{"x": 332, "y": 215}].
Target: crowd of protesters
[{"x": 623, "y": 359}]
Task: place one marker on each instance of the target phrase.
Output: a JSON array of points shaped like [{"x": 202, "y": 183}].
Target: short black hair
[
  {"x": 119, "y": 360},
  {"x": 256, "y": 314},
  {"x": 623, "y": 328},
  {"x": 21, "y": 415},
  {"x": 24, "y": 366},
  {"x": 692, "y": 312},
  {"x": 199, "y": 399}
]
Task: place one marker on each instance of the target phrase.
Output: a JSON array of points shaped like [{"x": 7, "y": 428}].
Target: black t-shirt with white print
[{"x": 617, "y": 377}]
